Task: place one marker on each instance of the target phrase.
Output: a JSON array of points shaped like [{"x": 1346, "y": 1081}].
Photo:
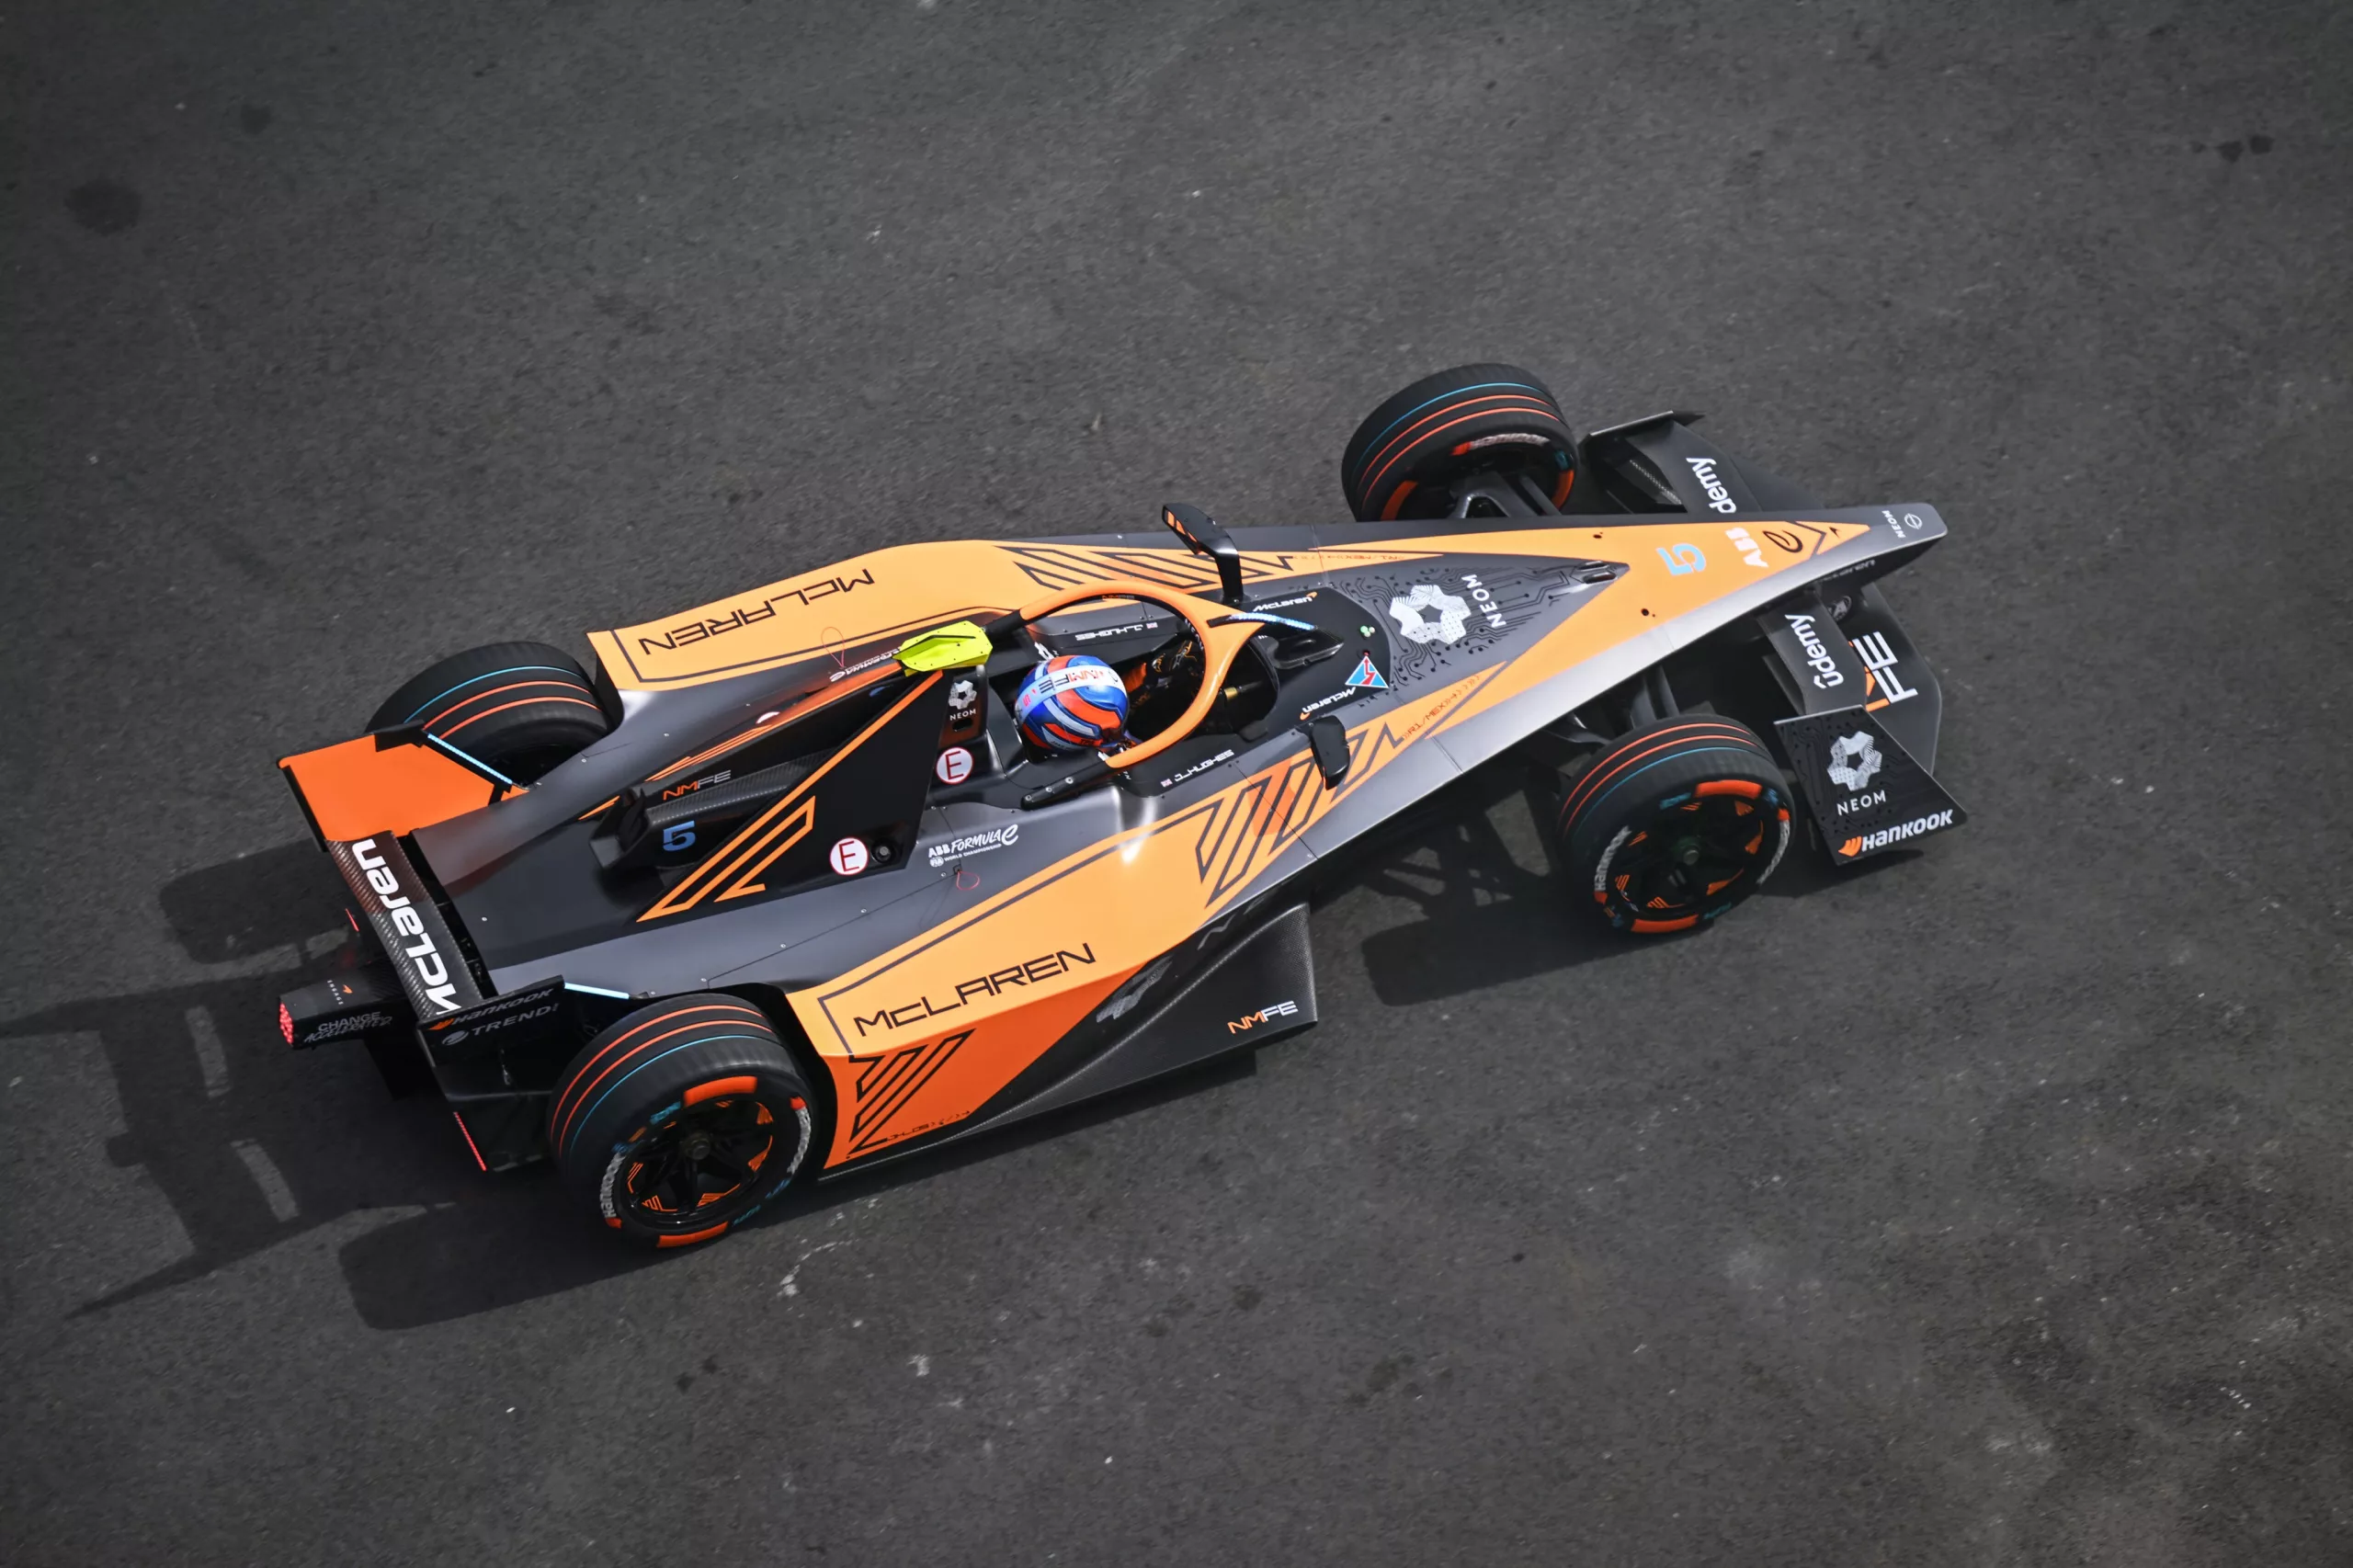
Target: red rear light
[
  {"x": 468, "y": 1133},
  {"x": 286, "y": 1023}
]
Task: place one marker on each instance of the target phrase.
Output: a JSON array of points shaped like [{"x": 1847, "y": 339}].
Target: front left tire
[{"x": 1408, "y": 451}]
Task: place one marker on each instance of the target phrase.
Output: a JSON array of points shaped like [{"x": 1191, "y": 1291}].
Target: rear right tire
[{"x": 520, "y": 708}]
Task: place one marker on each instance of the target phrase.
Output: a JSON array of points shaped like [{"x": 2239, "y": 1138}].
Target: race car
[{"x": 864, "y": 860}]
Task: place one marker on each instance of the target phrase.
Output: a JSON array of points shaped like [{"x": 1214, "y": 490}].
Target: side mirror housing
[
  {"x": 1203, "y": 536},
  {"x": 1327, "y": 738}
]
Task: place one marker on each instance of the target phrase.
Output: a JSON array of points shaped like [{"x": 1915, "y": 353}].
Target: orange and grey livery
[{"x": 778, "y": 876}]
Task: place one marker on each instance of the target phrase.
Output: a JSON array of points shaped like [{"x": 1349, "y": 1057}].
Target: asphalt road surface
[{"x": 1988, "y": 1207}]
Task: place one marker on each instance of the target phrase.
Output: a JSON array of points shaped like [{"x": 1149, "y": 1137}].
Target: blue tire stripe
[
  {"x": 511, "y": 669},
  {"x": 1645, "y": 767},
  {"x": 1373, "y": 445},
  {"x": 710, "y": 1040}
]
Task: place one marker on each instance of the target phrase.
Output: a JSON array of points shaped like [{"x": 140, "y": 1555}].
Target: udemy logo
[
  {"x": 1719, "y": 498},
  {"x": 1817, "y": 653},
  {"x": 1414, "y": 613}
]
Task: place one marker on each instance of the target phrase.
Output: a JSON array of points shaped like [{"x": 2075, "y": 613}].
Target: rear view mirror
[
  {"x": 1328, "y": 739},
  {"x": 1203, "y": 536}
]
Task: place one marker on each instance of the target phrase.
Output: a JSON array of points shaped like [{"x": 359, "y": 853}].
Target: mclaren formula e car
[{"x": 777, "y": 887}]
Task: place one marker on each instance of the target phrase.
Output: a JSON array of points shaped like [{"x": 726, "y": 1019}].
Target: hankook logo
[
  {"x": 1035, "y": 972},
  {"x": 1896, "y": 834}
]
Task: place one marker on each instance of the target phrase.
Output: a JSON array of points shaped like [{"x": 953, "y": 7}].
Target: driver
[{"x": 1073, "y": 703}]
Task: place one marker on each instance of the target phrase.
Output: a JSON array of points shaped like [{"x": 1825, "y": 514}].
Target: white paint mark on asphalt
[
  {"x": 208, "y": 1054},
  {"x": 922, "y": 1364},
  {"x": 786, "y": 1286},
  {"x": 282, "y": 1206}
]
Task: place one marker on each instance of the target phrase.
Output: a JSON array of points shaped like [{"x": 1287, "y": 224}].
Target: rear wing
[{"x": 392, "y": 781}]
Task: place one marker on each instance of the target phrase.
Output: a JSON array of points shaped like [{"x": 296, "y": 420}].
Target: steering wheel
[{"x": 1220, "y": 645}]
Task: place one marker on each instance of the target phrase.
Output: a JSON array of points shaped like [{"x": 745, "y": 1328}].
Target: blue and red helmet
[{"x": 1073, "y": 703}]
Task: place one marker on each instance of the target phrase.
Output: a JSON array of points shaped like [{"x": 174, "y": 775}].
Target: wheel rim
[
  {"x": 701, "y": 1166},
  {"x": 1697, "y": 854}
]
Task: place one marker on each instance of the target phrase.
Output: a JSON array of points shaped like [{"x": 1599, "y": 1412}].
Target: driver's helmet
[{"x": 1073, "y": 703}]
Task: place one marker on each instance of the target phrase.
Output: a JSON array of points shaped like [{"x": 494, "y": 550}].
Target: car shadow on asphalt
[
  {"x": 1488, "y": 917},
  {"x": 253, "y": 1145}
]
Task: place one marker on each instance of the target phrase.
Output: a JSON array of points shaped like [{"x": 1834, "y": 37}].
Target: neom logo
[{"x": 1035, "y": 972}]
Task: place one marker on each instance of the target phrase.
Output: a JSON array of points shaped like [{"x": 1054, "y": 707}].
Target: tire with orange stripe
[
  {"x": 1673, "y": 823},
  {"x": 517, "y": 707},
  {"x": 679, "y": 1122},
  {"x": 1402, "y": 459}
]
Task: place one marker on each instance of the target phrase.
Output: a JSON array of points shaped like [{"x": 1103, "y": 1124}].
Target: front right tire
[{"x": 1673, "y": 823}]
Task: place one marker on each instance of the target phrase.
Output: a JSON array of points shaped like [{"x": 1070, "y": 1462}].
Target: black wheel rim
[
  {"x": 702, "y": 1166},
  {"x": 1698, "y": 853}
]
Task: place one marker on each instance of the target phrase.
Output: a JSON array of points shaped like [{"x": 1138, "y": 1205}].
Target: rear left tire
[{"x": 679, "y": 1122}]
